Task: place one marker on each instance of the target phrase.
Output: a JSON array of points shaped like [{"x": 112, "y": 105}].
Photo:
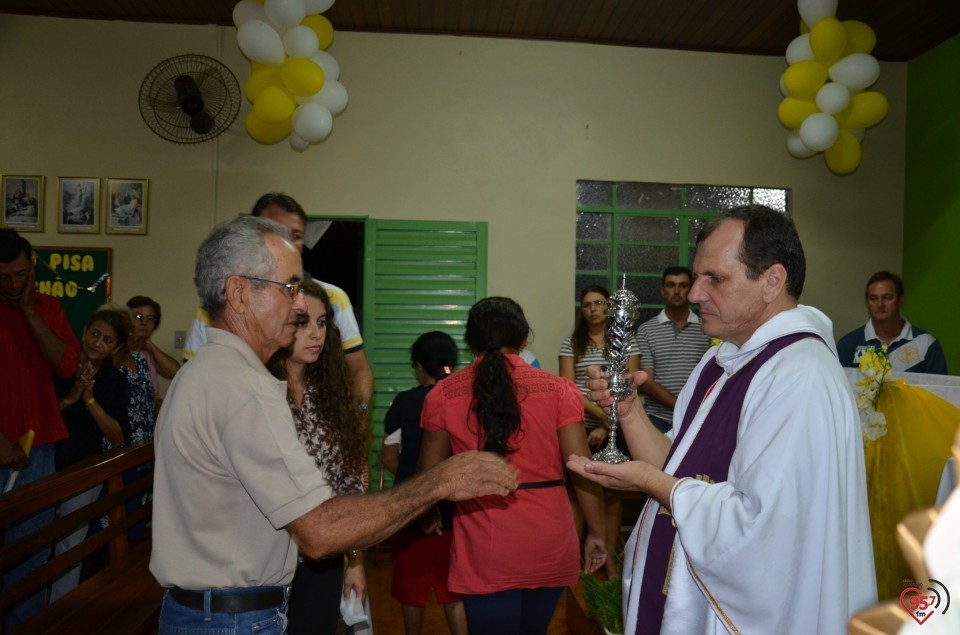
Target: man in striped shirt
[{"x": 671, "y": 345}]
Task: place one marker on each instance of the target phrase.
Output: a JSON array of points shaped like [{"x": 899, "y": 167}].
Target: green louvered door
[{"x": 418, "y": 277}]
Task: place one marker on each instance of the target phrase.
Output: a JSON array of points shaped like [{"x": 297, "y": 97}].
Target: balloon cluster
[
  {"x": 293, "y": 80},
  {"x": 825, "y": 105}
]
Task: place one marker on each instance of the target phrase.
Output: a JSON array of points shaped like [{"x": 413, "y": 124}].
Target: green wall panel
[
  {"x": 418, "y": 277},
  {"x": 932, "y": 206}
]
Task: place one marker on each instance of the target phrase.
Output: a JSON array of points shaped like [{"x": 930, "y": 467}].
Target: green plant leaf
[{"x": 604, "y": 599}]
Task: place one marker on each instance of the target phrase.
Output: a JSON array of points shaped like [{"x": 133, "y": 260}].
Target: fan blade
[
  {"x": 188, "y": 95},
  {"x": 201, "y": 123}
]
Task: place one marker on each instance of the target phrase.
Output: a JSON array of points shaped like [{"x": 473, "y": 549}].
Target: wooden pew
[{"x": 123, "y": 598}]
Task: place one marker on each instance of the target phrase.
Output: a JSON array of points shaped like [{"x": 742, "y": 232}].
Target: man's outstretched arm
[{"x": 351, "y": 522}]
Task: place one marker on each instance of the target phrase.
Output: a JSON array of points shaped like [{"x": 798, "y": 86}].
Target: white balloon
[
  {"x": 247, "y": 10},
  {"x": 260, "y": 42},
  {"x": 297, "y": 143},
  {"x": 285, "y": 14},
  {"x": 799, "y": 50},
  {"x": 812, "y": 11},
  {"x": 301, "y": 41},
  {"x": 819, "y": 131},
  {"x": 312, "y": 122},
  {"x": 329, "y": 64},
  {"x": 333, "y": 97},
  {"x": 783, "y": 87},
  {"x": 796, "y": 148},
  {"x": 833, "y": 97},
  {"x": 855, "y": 71},
  {"x": 317, "y": 6}
]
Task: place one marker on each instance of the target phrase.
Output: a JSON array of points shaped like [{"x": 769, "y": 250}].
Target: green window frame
[{"x": 638, "y": 229}]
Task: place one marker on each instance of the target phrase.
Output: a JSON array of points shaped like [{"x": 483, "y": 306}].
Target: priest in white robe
[{"x": 757, "y": 520}]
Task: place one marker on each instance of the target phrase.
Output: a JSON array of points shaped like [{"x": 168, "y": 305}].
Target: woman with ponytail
[{"x": 511, "y": 558}]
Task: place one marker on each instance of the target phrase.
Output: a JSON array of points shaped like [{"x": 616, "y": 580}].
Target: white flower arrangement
[{"x": 874, "y": 366}]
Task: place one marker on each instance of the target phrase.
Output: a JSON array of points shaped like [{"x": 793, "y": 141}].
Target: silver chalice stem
[{"x": 622, "y": 312}]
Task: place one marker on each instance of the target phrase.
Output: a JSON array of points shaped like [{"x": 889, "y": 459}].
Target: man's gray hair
[{"x": 234, "y": 248}]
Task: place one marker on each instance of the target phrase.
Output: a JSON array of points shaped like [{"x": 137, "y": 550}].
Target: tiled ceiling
[{"x": 904, "y": 28}]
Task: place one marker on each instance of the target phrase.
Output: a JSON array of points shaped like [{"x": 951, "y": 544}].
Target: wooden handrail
[
  {"x": 77, "y": 478},
  {"x": 107, "y": 468}
]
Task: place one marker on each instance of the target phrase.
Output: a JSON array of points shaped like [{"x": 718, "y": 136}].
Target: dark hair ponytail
[
  {"x": 436, "y": 352},
  {"x": 494, "y": 323}
]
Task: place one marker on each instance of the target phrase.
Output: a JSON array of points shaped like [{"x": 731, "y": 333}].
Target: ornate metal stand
[{"x": 622, "y": 314}]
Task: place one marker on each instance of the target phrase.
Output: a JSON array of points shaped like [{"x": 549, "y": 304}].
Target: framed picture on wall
[
  {"x": 126, "y": 206},
  {"x": 22, "y": 197},
  {"x": 78, "y": 208}
]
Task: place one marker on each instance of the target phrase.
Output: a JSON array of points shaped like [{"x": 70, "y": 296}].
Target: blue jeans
[
  {"x": 176, "y": 619},
  {"x": 41, "y": 465},
  {"x": 513, "y": 612}
]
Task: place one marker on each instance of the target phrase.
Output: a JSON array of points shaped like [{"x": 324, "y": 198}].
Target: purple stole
[{"x": 709, "y": 455}]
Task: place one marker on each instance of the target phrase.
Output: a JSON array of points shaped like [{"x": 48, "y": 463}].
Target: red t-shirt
[
  {"x": 527, "y": 539},
  {"x": 27, "y": 399}
]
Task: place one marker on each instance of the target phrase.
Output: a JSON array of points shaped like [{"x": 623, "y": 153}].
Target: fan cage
[{"x": 158, "y": 98}]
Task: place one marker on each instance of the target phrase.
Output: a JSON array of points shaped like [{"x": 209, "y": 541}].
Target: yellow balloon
[
  {"x": 265, "y": 132},
  {"x": 827, "y": 40},
  {"x": 257, "y": 81},
  {"x": 804, "y": 79},
  {"x": 257, "y": 67},
  {"x": 322, "y": 27},
  {"x": 860, "y": 37},
  {"x": 273, "y": 105},
  {"x": 865, "y": 110},
  {"x": 302, "y": 77},
  {"x": 793, "y": 111},
  {"x": 844, "y": 156}
]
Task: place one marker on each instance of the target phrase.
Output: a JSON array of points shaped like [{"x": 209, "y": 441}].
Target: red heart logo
[{"x": 920, "y": 605}]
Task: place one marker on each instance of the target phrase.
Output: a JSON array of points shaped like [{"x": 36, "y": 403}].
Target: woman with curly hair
[
  {"x": 512, "y": 557},
  {"x": 333, "y": 430}
]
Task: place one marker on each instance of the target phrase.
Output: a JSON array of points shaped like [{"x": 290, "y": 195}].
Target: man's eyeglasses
[
  {"x": 293, "y": 288},
  {"x": 596, "y": 303},
  {"x": 140, "y": 317}
]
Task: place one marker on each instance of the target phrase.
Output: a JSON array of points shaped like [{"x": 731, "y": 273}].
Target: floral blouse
[
  {"x": 141, "y": 401},
  {"x": 329, "y": 457}
]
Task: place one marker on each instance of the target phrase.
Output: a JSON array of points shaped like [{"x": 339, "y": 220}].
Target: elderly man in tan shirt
[{"x": 235, "y": 494}]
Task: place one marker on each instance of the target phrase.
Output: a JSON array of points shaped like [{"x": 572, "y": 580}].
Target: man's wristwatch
[
  {"x": 363, "y": 406},
  {"x": 353, "y": 555}
]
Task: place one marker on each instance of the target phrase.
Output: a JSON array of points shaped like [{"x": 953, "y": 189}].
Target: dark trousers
[
  {"x": 315, "y": 597},
  {"x": 513, "y": 612}
]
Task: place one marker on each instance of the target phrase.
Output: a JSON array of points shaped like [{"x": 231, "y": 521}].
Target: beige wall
[{"x": 445, "y": 128}]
